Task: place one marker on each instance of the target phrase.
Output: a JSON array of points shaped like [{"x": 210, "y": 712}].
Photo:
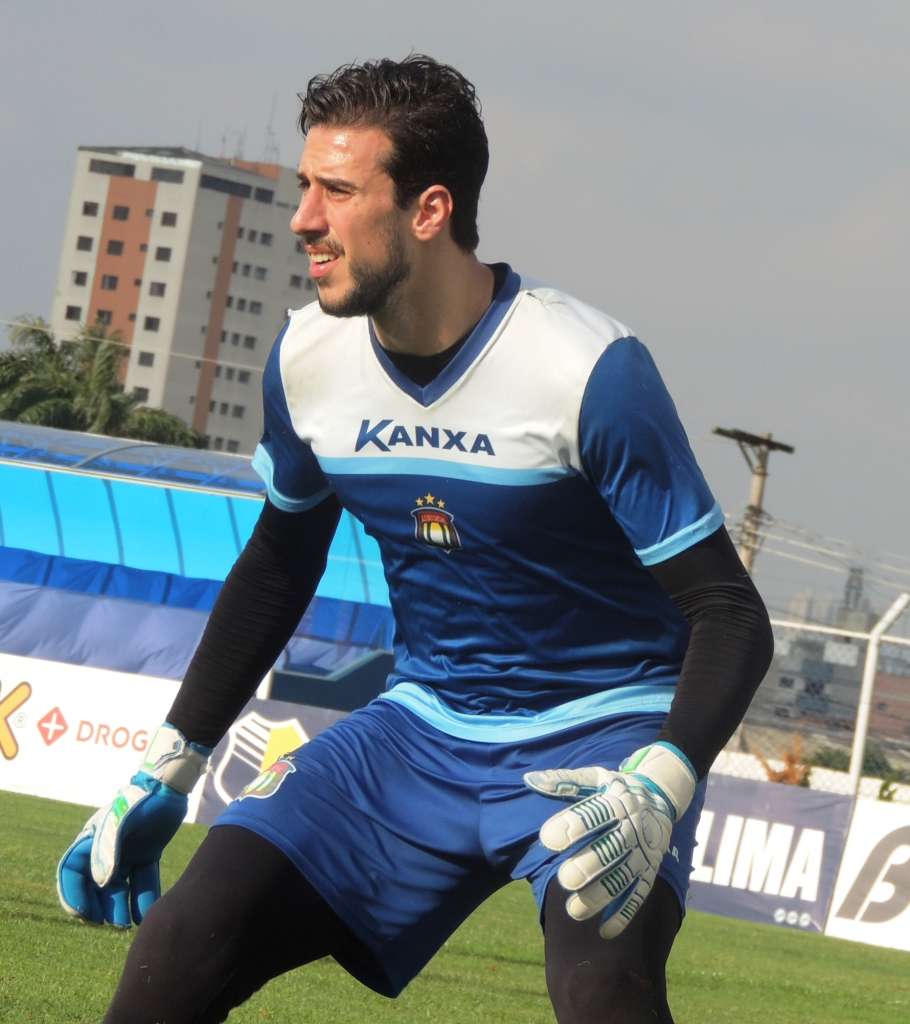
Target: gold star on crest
[
  {"x": 440, "y": 503},
  {"x": 420, "y": 501},
  {"x": 429, "y": 498}
]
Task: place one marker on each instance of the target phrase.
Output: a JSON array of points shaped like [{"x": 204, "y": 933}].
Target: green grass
[{"x": 53, "y": 969}]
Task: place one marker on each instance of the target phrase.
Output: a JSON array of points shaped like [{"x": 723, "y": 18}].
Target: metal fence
[{"x": 833, "y": 712}]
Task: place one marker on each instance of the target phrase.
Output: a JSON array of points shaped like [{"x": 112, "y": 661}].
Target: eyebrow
[{"x": 304, "y": 179}]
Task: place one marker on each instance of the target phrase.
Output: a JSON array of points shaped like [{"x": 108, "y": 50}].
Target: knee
[{"x": 596, "y": 993}]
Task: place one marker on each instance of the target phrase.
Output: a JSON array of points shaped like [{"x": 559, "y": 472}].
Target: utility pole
[{"x": 756, "y": 449}]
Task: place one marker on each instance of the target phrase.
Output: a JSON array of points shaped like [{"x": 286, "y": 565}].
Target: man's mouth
[{"x": 321, "y": 263}]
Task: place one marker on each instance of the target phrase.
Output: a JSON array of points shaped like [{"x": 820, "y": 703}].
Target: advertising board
[
  {"x": 768, "y": 852},
  {"x": 74, "y": 733},
  {"x": 872, "y": 897}
]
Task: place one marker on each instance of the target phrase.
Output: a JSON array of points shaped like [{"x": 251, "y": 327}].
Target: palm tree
[{"x": 75, "y": 384}]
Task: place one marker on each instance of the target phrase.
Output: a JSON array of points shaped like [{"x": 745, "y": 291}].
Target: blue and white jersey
[{"x": 517, "y": 500}]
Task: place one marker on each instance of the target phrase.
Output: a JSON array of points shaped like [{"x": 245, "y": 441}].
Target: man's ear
[{"x": 432, "y": 212}]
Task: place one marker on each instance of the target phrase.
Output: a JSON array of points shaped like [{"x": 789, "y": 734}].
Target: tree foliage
[{"x": 76, "y": 384}]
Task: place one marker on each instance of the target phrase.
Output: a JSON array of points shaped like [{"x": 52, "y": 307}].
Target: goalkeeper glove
[
  {"x": 629, "y": 815},
  {"x": 110, "y": 872}
]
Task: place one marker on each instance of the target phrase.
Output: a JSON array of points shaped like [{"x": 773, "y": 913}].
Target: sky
[{"x": 730, "y": 179}]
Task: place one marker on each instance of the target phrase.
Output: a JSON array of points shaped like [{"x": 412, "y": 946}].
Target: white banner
[
  {"x": 74, "y": 733},
  {"x": 872, "y": 895}
]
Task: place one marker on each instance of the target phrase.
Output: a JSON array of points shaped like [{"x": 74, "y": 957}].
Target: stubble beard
[{"x": 372, "y": 288}]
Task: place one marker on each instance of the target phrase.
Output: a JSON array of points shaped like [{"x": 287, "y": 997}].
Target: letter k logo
[{"x": 9, "y": 705}]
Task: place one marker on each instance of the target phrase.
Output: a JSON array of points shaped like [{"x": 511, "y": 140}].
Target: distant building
[{"x": 190, "y": 258}]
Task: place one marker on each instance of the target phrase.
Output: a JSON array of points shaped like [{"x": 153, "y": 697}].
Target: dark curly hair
[{"x": 430, "y": 112}]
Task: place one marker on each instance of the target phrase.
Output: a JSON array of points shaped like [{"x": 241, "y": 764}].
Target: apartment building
[{"x": 190, "y": 259}]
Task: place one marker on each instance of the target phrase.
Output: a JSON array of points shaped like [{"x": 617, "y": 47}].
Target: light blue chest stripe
[
  {"x": 653, "y": 697},
  {"x": 683, "y": 539},
  {"x": 265, "y": 467},
  {"x": 396, "y": 466}
]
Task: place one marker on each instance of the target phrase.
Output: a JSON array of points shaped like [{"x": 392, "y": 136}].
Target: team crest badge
[
  {"x": 254, "y": 742},
  {"x": 267, "y": 783},
  {"x": 434, "y": 524}
]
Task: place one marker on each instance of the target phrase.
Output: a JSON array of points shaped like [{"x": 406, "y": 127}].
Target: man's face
[{"x": 353, "y": 231}]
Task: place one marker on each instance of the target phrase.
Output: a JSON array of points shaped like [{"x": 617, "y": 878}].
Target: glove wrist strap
[
  {"x": 670, "y": 769},
  {"x": 171, "y": 759}
]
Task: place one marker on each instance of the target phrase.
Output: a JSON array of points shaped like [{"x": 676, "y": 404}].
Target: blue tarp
[
  {"x": 76, "y": 611},
  {"x": 103, "y": 539}
]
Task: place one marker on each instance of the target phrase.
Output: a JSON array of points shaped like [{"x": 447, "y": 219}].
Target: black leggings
[{"x": 242, "y": 914}]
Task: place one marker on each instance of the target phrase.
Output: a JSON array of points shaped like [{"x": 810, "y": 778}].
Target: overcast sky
[{"x": 731, "y": 179}]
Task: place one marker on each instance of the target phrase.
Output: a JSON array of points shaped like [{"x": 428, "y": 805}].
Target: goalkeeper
[{"x": 576, "y": 638}]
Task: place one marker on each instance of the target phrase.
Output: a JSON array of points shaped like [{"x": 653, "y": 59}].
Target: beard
[{"x": 372, "y": 286}]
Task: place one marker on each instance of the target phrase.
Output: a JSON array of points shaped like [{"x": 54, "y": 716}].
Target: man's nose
[{"x": 309, "y": 217}]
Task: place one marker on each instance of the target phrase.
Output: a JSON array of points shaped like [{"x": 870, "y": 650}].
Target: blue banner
[{"x": 768, "y": 852}]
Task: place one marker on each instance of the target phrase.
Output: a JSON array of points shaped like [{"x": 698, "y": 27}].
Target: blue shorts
[{"x": 404, "y": 830}]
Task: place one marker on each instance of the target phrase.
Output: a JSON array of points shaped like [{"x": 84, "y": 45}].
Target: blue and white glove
[
  {"x": 629, "y": 815},
  {"x": 110, "y": 872}
]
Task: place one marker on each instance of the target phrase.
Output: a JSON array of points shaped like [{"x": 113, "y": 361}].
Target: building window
[
  {"x": 249, "y": 341},
  {"x": 241, "y": 305},
  {"x": 219, "y": 444},
  {"x": 785, "y": 682},
  {"x": 296, "y": 281},
  {"x": 229, "y": 302},
  {"x": 104, "y": 317},
  {"x": 243, "y": 376},
  {"x": 121, "y": 213},
  {"x": 298, "y": 245},
  {"x": 203, "y": 329},
  {"x": 229, "y": 373},
  {"x": 251, "y": 236},
  {"x": 233, "y": 188},
  {"x": 218, "y": 370},
  {"x": 112, "y": 167},
  {"x": 143, "y": 247},
  {"x": 156, "y": 288},
  {"x": 192, "y": 399},
  {"x": 240, "y": 232},
  {"x": 114, "y": 247},
  {"x": 149, "y": 213},
  {"x": 151, "y": 323},
  {"x": 223, "y": 408},
  {"x": 132, "y": 318},
  {"x": 167, "y": 174},
  {"x": 89, "y": 209},
  {"x": 235, "y": 338},
  {"x": 146, "y": 359},
  {"x": 264, "y": 195},
  {"x": 137, "y": 282},
  {"x": 237, "y": 412},
  {"x": 109, "y": 282},
  {"x": 141, "y": 394},
  {"x": 233, "y": 446},
  {"x": 80, "y": 277},
  {"x": 223, "y": 337},
  {"x": 84, "y": 243},
  {"x": 245, "y": 270},
  {"x": 168, "y": 219},
  {"x": 212, "y": 406},
  {"x": 261, "y": 273},
  {"x": 163, "y": 254},
  {"x": 265, "y": 238},
  {"x": 255, "y": 307},
  {"x": 73, "y": 313}
]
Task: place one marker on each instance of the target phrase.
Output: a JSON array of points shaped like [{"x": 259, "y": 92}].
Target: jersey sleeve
[
  {"x": 636, "y": 453},
  {"x": 293, "y": 478}
]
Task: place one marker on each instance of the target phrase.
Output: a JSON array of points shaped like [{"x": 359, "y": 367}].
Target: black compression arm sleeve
[
  {"x": 730, "y": 646},
  {"x": 260, "y": 604}
]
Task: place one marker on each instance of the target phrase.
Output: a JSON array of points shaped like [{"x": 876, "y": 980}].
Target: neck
[{"x": 437, "y": 304}]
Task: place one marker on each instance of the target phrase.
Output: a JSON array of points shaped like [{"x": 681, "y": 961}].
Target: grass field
[{"x": 53, "y": 969}]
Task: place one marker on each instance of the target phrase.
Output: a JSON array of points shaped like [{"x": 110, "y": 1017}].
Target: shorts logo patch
[
  {"x": 266, "y": 784},
  {"x": 434, "y": 524}
]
